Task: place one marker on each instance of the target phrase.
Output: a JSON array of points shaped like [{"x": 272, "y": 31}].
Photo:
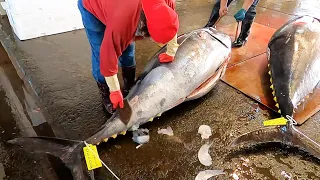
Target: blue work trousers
[
  {"x": 95, "y": 32},
  {"x": 250, "y": 15}
]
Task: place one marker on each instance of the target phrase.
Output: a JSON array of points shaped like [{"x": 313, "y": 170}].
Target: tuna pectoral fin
[
  {"x": 208, "y": 85},
  {"x": 126, "y": 112},
  {"x": 264, "y": 135},
  {"x": 68, "y": 151}
]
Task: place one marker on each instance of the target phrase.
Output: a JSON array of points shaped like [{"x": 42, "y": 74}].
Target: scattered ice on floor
[
  {"x": 141, "y": 136},
  {"x": 287, "y": 176},
  {"x": 139, "y": 146},
  {"x": 235, "y": 176},
  {"x": 167, "y": 131},
  {"x": 204, "y": 156},
  {"x": 206, "y": 174},
  {"x": 134, "y": 127},
  {"x": 205, "y": 131}
]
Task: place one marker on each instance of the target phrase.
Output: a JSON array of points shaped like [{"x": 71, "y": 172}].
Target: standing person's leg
[
  {"x": 246, "y": 25},
  {"x": 95, "y": 33},
  {"x": 215, "y": 13},
  {"x": 128, "y": 65}
]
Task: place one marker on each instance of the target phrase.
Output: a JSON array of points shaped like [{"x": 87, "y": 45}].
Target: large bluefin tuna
[
  {"x": 199, "y": 63},
  {"x": 294, "y": 61}
]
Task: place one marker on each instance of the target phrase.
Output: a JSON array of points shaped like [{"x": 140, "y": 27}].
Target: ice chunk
[
  {"x": 205, "y": 131},
  {"x": 139, "y": 146},
  {"x": 134, "y": 127},
  {"x": 204, "y": 156},
  {"x": 141, "y": 136},
  {"x": 287, "y": 176},
  {"x": 167, "y": 131},
  {"x": 206, "y": 174},
  {"x": 235, "y": 176}
]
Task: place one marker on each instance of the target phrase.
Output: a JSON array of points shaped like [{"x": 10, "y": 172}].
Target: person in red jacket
[{"x": 112, "y": 26}]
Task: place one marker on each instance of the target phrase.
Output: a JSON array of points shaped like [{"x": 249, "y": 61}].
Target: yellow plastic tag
[
  {"x": 91, "y": 155},
  {"x": 275, "y": 122}
]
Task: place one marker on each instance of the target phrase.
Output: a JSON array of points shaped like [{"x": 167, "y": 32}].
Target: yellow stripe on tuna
[
  {"x": 114, "y": 136},
  {"x": 275, "y": 99},
  {"x": 271, "y": 86}
]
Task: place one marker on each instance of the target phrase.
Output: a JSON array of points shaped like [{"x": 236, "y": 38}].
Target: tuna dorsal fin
[{"x": 126, "y": 112}]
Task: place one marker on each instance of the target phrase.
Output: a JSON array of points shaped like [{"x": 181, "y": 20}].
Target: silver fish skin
[
  {"x": 200, "y": 55},
  {"x": 199, "y": 63},
  {"x": 294, "y": 58},
  {"x": 294, "y": 61}
]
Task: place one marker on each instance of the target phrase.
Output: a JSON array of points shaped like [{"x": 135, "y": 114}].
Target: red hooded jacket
[{"x": 121, "y": 18}]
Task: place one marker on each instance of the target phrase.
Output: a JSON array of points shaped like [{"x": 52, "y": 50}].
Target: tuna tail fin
[
  {"x": 68, "y": 151},
  {"x": 263, "y": 135},
  {"x": 288, "y": 135},
  {"x": 306, "y": 143}
]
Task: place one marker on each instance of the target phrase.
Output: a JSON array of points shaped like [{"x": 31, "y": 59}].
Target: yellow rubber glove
[{"x": 172, "y": 47}]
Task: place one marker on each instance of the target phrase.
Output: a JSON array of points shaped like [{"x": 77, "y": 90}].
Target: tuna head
[{"x": 294, "y": 61}]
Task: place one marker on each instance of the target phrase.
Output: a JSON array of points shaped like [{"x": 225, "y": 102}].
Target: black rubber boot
[
  {"x": 128, "y": 75},
  {"x": 105, "y": 94},
  {"x": 244, "y": 34}
]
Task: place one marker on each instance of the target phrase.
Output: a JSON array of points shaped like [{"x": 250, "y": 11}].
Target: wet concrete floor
[
  {"x": 16, "y": 164},
  {"x": 13, "y": 164},
  {"x": 59, "y": 98}
]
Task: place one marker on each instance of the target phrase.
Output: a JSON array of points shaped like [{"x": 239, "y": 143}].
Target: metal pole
[
  {"x": 214, "y": 26},
  {"x": 237, "y": 31}
]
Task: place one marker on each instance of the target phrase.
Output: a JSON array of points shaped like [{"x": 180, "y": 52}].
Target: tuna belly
[{"x": 209, "y": 84}]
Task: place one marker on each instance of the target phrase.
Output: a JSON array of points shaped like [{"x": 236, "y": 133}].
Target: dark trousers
[{"x": 250, "y": 15}]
